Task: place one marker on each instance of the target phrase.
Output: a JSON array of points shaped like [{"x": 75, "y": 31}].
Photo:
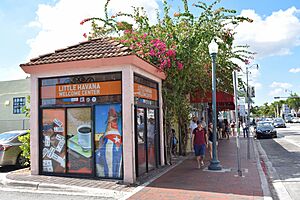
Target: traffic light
[{"x": 252, "y": 92}]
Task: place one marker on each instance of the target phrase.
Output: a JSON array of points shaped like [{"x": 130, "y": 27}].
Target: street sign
[{"x": 242, "y": 110}]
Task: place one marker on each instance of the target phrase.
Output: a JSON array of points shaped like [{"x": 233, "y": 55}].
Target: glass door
[
  {"x": 146, "y": 140},
  {"x": 141, "y": 140},
  {"x": 151, "y": 139}
]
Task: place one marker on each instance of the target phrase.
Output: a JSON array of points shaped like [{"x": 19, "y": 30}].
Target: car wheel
[{"x": 21, "y": 161}]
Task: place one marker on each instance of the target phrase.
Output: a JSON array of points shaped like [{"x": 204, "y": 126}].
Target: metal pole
[
  {"x": 248, "y": 117},
  {"x": 237, "y": 129},
  {"x": 214, "y": 163}
]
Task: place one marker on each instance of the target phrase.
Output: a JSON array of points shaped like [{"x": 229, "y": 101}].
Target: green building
[{"x": 13, "y": 95}]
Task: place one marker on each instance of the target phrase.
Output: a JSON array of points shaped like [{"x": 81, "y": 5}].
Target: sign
[
  {"x": 81, "y": 90},
  {"x": 145, "y": 92},
  {"x": 242, "y": 110}
]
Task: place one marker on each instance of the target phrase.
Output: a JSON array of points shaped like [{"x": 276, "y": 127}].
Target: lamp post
[
  {"x": 213, "y": 51},
  {"x": 248, "y": 113}
]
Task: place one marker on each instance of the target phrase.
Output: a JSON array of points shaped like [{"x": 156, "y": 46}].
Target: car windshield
[
  {"x": 278, "y": 120},
  {"x": 7, "y": 136},
  {"x": 265, "y": 124}
]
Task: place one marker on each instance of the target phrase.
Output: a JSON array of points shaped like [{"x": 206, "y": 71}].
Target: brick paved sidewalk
[{"x": 187, "y": 182}]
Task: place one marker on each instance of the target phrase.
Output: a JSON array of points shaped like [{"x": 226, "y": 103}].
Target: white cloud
[
  {"x": 60, "y": 26},
  {"x": 294, "y": 70},
  {"x": 276, "y": 92},
  {"x": 12, "y": 73},
  {"x": 273, "y": 35},
  {"x": 281, "y": 85}
]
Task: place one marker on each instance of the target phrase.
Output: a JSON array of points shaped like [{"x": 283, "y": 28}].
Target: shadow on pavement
[{"x": 9, "y": 168}]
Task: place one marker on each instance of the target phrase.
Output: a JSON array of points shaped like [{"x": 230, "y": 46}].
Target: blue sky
[{"x": 41, "y": 26}]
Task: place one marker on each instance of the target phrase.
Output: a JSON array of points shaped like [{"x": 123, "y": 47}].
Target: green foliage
[
  {"x": 178, "y": 46},
  {"x": 294, "y": 102},
  {"x": 25, "y": 147},
  {"x": 25, "y": 139},
  {"x": 26, "y": 108}
]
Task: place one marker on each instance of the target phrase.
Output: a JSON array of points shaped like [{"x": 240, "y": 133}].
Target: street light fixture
[{"x": 213, "y": 51}]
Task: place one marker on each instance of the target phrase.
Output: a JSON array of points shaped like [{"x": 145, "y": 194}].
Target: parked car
[
  {"x": 295, "y": 120},
  {"x": 265, "y": 129},
  {"x": 288, "y": 119},
  {"x": 10, "y": 152},
  {"x": 279, "y": 123}
]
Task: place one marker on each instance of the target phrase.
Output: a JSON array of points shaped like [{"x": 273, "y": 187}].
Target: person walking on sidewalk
[
  {"x": 192, "y": 126},
  {"x": 210, "y": 139},
  {"x": 245, "y": 129},
  {"x": 199, "y": 139}
]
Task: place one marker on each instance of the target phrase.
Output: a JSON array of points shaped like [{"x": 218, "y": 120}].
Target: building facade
[
  {"x": 96, "y": 112},
  {"x": 13, "y": 97}
]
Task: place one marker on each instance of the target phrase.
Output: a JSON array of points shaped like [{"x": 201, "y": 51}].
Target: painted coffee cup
[{"x": 84, "y": 136}]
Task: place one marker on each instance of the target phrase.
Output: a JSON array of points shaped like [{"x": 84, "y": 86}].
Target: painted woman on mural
[{"x": 109, "y": 154}]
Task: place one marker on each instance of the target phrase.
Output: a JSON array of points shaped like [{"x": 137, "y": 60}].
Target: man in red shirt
[{"x": 199, "y": 139}]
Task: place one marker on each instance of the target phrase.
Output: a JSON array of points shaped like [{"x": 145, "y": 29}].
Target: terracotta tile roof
[{"x": 92, "y": 49}]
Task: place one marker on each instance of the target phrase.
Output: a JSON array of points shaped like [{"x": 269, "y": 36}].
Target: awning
[{"x": 225, "y": 101}]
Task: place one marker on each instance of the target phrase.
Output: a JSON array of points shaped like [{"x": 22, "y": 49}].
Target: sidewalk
[
  {"x": 180, "y": 181},
  {"x": 187, "y": 182}
]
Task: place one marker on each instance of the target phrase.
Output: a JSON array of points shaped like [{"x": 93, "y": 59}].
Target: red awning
[{"x": 225, "y": 101}]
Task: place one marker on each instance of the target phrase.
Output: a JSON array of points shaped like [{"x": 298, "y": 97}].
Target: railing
[{"x": 17, "y": 124}]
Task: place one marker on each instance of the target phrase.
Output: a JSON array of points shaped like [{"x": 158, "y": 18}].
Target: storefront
[{"x": 95, "y": 114}]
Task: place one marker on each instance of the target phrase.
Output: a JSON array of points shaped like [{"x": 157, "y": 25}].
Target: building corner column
[
  {"x": 128, "y": 125},
  {"x": 161, "y": 126},
  {"x": 34, "y": 126}
]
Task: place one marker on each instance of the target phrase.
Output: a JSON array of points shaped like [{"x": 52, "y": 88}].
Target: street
[
  {"x": 21, "y": 194},
  {"x": 284, "y": 155}
]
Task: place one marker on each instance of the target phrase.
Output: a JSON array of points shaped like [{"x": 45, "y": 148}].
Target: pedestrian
[
  {"x": 199, "y": 139},
  {"x": 193, "y": 125},
  {"x": 220, "y": 129},
  {"x": 245, "y": 129},
  {"x": 202, "y": 121},
  {"x": 232, "y": 125},
  {"x": 210, "y": 139},
  {"x": 174, "y": 142}
]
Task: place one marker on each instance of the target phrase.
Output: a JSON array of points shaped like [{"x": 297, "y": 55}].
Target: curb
[
  {"x": 263, "y": 177},
  {"x": 279, "y": 189},
  {"x": 63, "y": 189}
]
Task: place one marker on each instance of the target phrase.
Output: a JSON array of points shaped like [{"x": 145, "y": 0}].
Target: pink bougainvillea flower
[
  {"x": 152, "y": 52},
  {"x": 247, "y": 62},
  {"x": 83, "y": 21},
  {"x": 171, "y": 53},
  {"x": 145, "y": 35},
  {"x": 169, "y": 63},
  {"x": 176, "y": 14},
  {"x": 85, "y": 35},
  {"x": 113, "y": 16},
  {"x": 127, "y": 31},
  {"x": 179, "y": 65}
]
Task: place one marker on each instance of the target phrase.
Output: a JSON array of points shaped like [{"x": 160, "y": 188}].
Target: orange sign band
[
  {"x": 81, "y": 90},
  {"x": 145, "y": 92}
]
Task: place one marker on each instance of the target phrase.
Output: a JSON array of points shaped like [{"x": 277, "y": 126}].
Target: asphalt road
[
  {"x": 284, "y": 154},
  {"x": 9, "y": 194}
]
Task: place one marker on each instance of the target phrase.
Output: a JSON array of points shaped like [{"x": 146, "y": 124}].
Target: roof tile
[{"x": 91, "y": 49}]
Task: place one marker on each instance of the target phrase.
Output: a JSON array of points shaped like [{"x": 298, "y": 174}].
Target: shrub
[{"x": 25, "y": 147}]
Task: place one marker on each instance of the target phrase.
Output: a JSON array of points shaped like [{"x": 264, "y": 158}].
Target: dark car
[
  {"x": 265, "y": 129},
  {"x": 279, "y": 123}
]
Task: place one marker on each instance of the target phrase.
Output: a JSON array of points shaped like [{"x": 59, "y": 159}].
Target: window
[{"x": 19, "y": 103}]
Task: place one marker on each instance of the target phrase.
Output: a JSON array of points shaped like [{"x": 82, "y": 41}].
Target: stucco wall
[{"x": 8, "y": 91}]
